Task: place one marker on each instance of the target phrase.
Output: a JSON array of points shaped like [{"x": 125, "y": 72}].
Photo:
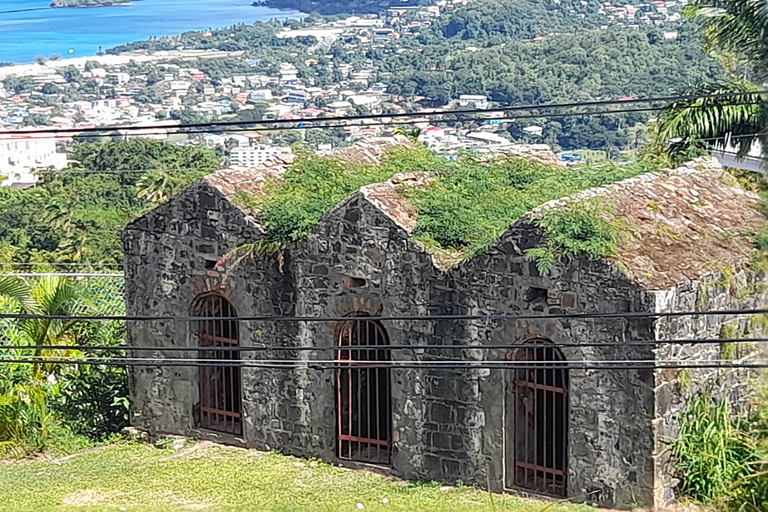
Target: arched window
[
  {"x": 540, "y": 415},
  {"x": 363, "y": 406},
  {"x": 220, "y": 406}
]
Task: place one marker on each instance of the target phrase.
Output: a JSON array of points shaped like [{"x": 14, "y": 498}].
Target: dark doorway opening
[
  {"x": 540, "y": 414},
  {"x": 363, "y": 403},
  {"x": 220, "y": 406}
]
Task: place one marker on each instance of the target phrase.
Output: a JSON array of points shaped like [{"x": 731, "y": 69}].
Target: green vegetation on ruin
[{"x": 468, "y": 205}]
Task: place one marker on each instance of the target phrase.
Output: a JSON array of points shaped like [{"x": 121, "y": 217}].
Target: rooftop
[{"x": 681, "y": 224}]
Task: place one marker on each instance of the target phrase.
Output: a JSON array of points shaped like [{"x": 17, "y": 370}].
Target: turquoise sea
[{"x": 29, "y": 27}]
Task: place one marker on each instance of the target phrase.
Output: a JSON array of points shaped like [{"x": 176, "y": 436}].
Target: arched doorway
[
  {"x": 220, "y": 406},
  {"x": 363, "y": 404},
  {"x": 539, "y": 412}
]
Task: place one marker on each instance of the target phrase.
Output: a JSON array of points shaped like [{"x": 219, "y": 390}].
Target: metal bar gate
[
  {"x": 220, "y": 406},
  {"x": 363, "y": 394},
  {"x": 541, "y": 422}
]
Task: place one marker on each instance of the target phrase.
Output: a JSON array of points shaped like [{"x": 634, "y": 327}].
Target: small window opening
[
  {"x": 354, "y": 282},
  {"x": 210, "y": 264},
  {"x": 536, "y": 295}
]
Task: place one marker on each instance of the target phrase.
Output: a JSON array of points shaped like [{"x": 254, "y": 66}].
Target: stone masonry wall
[
  {"x": 448, "y": 425},
  {"x": 725, "y": 291},
  {"x": 170, "y": 257}
]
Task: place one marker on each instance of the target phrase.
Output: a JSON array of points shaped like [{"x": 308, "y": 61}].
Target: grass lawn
[{"x": 204, "y": 476}]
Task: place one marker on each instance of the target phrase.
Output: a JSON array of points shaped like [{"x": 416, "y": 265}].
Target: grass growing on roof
[
  {"x": 202, "y": 476},
  {"x": 471, "y": 202}
]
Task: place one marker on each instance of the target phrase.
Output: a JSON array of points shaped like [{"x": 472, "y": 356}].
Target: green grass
[{"x": 140, "y": 477}]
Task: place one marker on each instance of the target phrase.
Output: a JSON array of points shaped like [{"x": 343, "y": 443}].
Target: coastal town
[{"x": 164, "y": 89}]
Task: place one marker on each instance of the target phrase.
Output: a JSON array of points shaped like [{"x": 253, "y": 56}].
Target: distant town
[{"x": 164, "y": 89}]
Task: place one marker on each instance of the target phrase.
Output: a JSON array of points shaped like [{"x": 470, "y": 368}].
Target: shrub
[{"x": 718, "y": 456}]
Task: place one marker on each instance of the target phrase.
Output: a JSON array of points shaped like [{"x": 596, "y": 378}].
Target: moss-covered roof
[{"x": 678, "y": 225}]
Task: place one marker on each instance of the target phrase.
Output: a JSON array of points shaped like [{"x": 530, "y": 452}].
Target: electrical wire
[
  {"x": 427, "y": 365},
  {"x": 405, "y": 318},
  {"x": 664, "y": 99},
  {"x": 363, "y": 348},
  {"x": 183, "y": 130},
  {"x": 60, "y": 274}
]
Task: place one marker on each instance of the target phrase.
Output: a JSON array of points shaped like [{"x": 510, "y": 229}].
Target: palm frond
[
  {"x": 736, "y": 120},
  {"x": 737, "y": 26},
  {"x": 18, "y": 290},
  {"x": 252, "y": 250}
]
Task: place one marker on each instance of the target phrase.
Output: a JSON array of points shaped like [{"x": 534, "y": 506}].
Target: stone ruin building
[{"x": 577, "y": 432}]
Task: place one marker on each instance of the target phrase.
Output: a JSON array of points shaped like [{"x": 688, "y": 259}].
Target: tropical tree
[
  {"x": 17, "y": 290},
  {"x": 25, "y": 418},
  {"x": 732, "y": 111},
  {"x": 50, "y": 296}
]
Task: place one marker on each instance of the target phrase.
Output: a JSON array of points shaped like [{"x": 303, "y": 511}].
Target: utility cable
[
  {"x": 403, "y": 115},
  {"x": 533, "y": 344},
  {"x": 357, "y": 365},
  {"x": 403, "y": 318}
]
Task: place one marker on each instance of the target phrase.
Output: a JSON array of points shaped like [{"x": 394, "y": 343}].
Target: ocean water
[{"x": 29, "y": 28}]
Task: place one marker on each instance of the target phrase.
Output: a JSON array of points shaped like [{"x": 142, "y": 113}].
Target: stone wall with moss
[{"x": 730, "y": 289}]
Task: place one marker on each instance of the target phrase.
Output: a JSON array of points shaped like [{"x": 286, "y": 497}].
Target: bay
[{"x": 29, "y": 28}]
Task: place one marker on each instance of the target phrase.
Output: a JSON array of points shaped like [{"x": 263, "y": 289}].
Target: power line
[
  {"x": 373, "y": 348},
  {"x": 429, "y": 365},
  {"x": 403, "y": 318},
  {"x": 181, "y": 129},
  {"x": 392, "y": 116},
  {"x": 142, "y": 171},
  {"x": 56, "y": 264}
]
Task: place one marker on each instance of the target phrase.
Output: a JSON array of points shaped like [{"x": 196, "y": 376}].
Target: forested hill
[
  {"x": 524, "y": 19},
  {"x": 585, "y": 65}
]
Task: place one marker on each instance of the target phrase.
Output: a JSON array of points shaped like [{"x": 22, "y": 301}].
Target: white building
[
  {"x": 466, "y": 100},
  {"x": 23, "y": 154},
  {"x": 297, "y": 96},
  {"x": 490, "y": 139},
  {"x": 261, "y": 95},
  {"x": 255, "y": 156}
]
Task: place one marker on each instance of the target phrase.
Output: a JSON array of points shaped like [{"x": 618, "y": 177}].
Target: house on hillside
[{"x": 549, "y": 418}]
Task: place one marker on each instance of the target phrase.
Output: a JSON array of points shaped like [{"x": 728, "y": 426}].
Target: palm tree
[
  {"x": 50, "y": 296},
  {"x": 53, "y": 296},
  {"x": 58, "y": 216},
  {"x": 18, "y": 290},
  {"x": 736, "y": 32}
]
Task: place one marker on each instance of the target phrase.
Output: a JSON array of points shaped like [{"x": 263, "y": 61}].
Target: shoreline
[
  {"x": 29, "y": 68},
  {"x": 86, "y": 6},
  {"x": 52, "y": 67}
]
